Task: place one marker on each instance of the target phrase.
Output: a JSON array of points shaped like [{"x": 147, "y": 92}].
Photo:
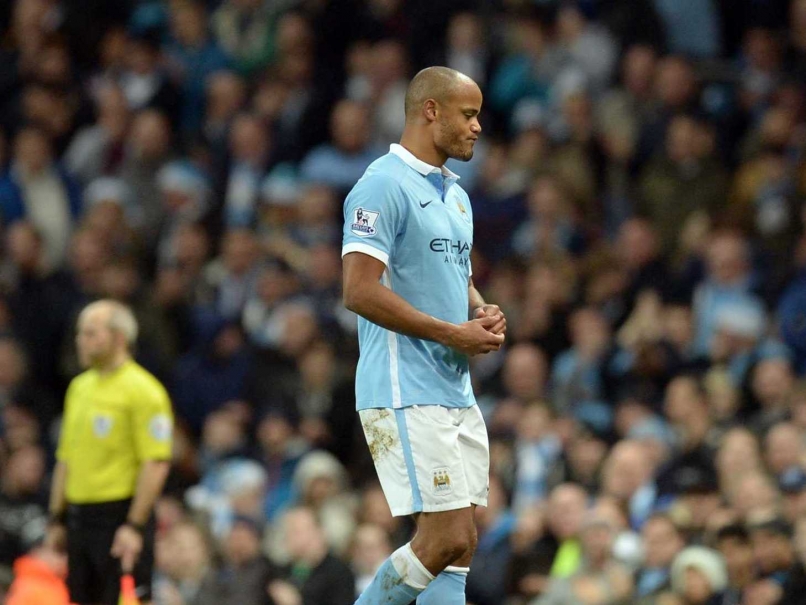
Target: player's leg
[
  {"x": 416, "y": 454},
  {"x": 449, "y": 586}
]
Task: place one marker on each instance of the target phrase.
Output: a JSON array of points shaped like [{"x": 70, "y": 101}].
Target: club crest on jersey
[
  {"x": 363, "y": 224},
  {"x": 463, "y": 212},
  {"x": 101, "y": 426},
  {"x": 442, "y": 481}
]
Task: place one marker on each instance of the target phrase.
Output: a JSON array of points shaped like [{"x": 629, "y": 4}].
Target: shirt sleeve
[
  {"x": 153, "y": 424},
  {"x": 374, "y": 215}
]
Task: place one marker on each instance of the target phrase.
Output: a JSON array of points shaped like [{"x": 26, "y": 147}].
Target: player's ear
[{"x": 430, "y": 110}]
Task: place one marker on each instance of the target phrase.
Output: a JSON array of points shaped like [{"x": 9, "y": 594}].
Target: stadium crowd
[{"x": 639, "y": 196}]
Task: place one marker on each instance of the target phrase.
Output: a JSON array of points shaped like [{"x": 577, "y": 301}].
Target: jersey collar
[{"x": 422, "y": 167}]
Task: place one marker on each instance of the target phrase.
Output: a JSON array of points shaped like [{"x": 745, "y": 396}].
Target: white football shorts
[{"x": 429, "y": 458}]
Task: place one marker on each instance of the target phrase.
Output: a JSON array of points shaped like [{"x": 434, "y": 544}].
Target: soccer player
[
  {"x": 112, "y": 461},
  {"x": 408, "y": 234}
]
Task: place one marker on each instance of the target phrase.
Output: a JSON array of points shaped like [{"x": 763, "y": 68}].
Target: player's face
[
  {"x": 95, "y": 341},
  {"x": 458, "y": 125}
]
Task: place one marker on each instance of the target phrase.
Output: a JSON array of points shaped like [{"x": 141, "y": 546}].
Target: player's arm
[
  {"x": 478, "y": 308},
  {"x": 364, "y": 295}
]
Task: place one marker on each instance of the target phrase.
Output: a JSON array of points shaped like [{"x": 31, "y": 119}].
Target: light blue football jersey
[{"x": 417, "y": 220}]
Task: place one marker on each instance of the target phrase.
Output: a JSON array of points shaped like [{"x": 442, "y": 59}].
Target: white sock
[
  {"x": 410, "y": 569},
  {"x": 460, "y": 570}
]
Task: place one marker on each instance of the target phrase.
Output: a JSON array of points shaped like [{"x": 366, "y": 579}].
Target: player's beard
[{"x": 453, "y": 143}]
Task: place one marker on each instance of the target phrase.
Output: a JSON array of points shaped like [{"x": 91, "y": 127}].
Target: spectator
[
  {"x": 250, "y": 147},
  {"x": 692, "y": 29},
  {"x": 184, "y": 566},
  {"x": 39, "y": 578},
  {"x": 369, "y": 550},
  {"x": 97, "y": 150},
  {"x": 193, "y": 57},
  {"x": 699, "y": 576},
  {"x": 245, "y": 572},
  {"x": 23, "y": 503},
  {"x": 341, "y": 163},
  {"x": 243, "y": 29},
  {"x": 38, "y": 189},
  {"x": 733, "y": 542},
  {"x": 683, "y": 183},
  {"x": 212, "y": 374},
  {"x": 328, "y": 581},
  {"x": 662, "y": 542},
  {"x": 143, "y": 81}
]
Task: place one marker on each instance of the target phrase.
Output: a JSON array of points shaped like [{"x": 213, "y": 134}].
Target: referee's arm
[{"x": 152, "y": 431}]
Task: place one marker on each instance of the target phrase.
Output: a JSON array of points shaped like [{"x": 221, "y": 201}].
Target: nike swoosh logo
[{"x": 424, "y": 205}]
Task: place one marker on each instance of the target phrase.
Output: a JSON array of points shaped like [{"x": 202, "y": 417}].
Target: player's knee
[{"x": 454, "y": 546}]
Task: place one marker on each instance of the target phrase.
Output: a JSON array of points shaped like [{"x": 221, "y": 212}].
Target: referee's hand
[{"x": 127, "y": 546}]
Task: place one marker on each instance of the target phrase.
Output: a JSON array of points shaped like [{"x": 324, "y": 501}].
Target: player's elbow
[{"x": 352, "y": 299}]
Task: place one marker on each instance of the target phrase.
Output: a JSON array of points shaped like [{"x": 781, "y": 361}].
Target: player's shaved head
[{"x": 437, "y": 83}]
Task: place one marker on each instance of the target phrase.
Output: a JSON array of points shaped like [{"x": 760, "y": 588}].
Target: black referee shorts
[{"x": 93, "y": 576}]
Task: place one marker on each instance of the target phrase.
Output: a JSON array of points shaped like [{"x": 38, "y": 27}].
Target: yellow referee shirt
[{"x": 112, "y": 423}]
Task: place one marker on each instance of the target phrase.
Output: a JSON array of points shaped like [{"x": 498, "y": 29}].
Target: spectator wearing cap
[
  {"x": 661, "y": 541},
  {"x": 699, "y": 576},
  {"x": 792, "y": 485},
  {"x": 321, "y": 483},
  {"x": 342, "y": 161},
  {"x": 698, "y": 498},
  {"x": 36, "y": 188}
]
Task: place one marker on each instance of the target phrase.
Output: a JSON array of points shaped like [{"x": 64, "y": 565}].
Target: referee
[{"x": 112, "y": 461}]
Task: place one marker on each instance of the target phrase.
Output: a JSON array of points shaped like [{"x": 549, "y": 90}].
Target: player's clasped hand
[
  {"x": 492, "y": 310},
  {"x": 475, "y": 337}
]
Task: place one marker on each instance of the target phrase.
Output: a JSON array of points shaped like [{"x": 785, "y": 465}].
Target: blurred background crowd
[{"x": 639, "y": 199}]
